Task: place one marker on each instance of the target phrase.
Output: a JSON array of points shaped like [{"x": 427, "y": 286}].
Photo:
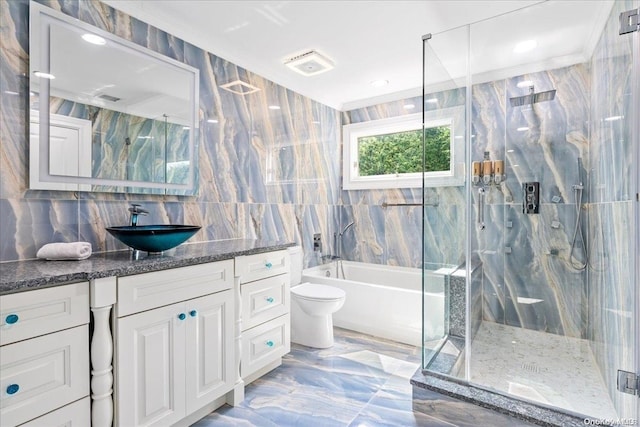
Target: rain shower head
[{"x": 533, "y": 97}]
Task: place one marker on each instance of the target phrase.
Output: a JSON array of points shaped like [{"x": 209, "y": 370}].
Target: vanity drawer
[
  {"x": 145, "y": 291},
  {"x": 264, "y": 300},
  {"x": 76, "y": 414},
  {"x": 32, "y": 313},
  {"x": 264, "y": 344},
  {"x": 260, "y": 266},
  {"x": 43, "y": 374}
]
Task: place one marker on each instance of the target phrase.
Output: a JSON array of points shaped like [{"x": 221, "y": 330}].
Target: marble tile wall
[
  {"x": 611, "y": 280},
  {"x": 247, "y": 187},
  {"x": 528, "y": 277}
]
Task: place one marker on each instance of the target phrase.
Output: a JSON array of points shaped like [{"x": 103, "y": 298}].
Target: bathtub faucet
[{"x": 338, "y": 239}]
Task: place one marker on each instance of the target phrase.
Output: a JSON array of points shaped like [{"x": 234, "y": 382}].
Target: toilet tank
[{"x": 296, "y": 258}]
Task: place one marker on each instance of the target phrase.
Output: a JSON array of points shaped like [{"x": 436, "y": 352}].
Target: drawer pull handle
[
  {"x": 11, "y": 319},
  {"x": 270, "y": 300},
  {"x": 182, "y": 316},
  {"x": 268, "y": 265},
  {"x": 193, "y": 313},
  {"x": 269, "y": 343},
  {"x": 13, "y": 388}
]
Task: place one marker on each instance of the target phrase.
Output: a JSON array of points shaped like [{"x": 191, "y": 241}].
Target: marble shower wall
[
  {"x": 612, "y": 208},
  {"x": 263, "y": 173},
  {"x": 393, "y": 235},
  {"x": 528, "y": 277}
]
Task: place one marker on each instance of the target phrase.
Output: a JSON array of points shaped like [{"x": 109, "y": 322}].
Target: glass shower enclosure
[{"x": 542, "y": 302}]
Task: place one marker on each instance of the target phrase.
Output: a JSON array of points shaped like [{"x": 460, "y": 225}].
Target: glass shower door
[
  {"x": 551, "y": 296},
  {"x": 444, "y": 207}
]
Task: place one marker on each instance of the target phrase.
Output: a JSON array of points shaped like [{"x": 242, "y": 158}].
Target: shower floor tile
[
  {"x": 361, "y": 381},
  {"x": 541, "y": 367}
]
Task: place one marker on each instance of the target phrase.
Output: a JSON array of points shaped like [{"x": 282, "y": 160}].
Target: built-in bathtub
[{"x": 385, "y": 301}]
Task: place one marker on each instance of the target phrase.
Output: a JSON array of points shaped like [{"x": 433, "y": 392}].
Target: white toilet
[{"x": 312, "y": 307}]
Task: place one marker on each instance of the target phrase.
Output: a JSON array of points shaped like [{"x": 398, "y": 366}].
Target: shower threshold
[{"x": 539, "y": 377}]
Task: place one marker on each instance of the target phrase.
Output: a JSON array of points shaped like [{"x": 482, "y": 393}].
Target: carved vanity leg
[
  {"x": 235, "y": 396},
  {"x": 103, "y": 296}
]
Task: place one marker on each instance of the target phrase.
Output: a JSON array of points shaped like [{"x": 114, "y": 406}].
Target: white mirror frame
[{"x": 41, "y": 18}]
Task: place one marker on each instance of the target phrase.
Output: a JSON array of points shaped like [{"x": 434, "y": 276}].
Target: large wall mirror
[{"x": 106, "y": 114}]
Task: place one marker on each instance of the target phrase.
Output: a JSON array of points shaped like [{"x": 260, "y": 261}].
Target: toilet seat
[{"x": 317, "y": 292}]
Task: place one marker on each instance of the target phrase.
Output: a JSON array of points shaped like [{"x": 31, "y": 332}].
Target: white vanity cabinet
[
  {"x": 44, "y": 357},
  {"x": 264, "y": 292},
  {"x": 174, "y": 344}
]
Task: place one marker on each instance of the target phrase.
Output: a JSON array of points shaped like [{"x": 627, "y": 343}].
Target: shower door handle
[{"x": 481, "y": 208}]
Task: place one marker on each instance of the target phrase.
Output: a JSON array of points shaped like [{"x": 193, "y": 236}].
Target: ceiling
[{"x": 373, "y": 40}]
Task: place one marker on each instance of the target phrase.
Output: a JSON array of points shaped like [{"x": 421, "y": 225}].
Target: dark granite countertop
[{"x": 21, "y": 276}]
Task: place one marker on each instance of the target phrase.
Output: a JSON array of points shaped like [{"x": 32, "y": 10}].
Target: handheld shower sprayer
[{"x": 578, "y": 234}]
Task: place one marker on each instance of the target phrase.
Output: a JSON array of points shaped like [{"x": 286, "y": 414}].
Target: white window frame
[{"x": 454, "y": 117}]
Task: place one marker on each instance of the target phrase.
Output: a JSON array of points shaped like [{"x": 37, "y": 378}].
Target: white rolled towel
[{"x": 65, "y": 251}]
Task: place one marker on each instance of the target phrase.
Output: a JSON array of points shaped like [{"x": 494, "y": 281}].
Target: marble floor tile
[
  {"x": 361, "y": 381},
  {"x": 541, "y": 367}
]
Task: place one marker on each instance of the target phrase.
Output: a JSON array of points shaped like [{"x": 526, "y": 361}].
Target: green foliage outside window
[{"x": 401, "y": 152}]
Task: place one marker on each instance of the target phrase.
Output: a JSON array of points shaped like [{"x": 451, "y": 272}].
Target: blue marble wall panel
[
  {"x": 236, "y": 196},
  {"x": 28, "y": 224},
  {"x": 540, "y": 142},
  {"x": 539, "y": 268},
  {"x": 612, "y": 284}
]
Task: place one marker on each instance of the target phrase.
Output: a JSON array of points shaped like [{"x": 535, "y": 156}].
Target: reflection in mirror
[{"x": 106, "y": 114}]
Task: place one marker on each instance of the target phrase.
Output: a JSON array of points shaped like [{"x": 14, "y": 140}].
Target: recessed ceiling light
[
  {"x": 309, "y": 63},
  {"x": 44, "y": 75},
  {"x": 379, "y": 83},
  {"x": 315, "y": 122},
  {"x": 94, "y": 39},
  {"x": 212, "y": 121},
  {"x": 523, "y": 129},
  {"x": 431, "y": 100},
  {"x": 525, "y": 83},
  {"x": 612, "y": 118},
  {"x": 274, "y": 107},
  {"x": 185, "y": 128},
  {"x": 510, "y": 151},
  {"x": 10, "y": 92},
  {"x": 409, "y": 106},
  {"x": 525, "y": 46},
  {"x": 239, "y": 87}
]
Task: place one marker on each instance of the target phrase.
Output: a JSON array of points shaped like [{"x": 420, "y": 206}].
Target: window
[{"x": 387, "y": 153}]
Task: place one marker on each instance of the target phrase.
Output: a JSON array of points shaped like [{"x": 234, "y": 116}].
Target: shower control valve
[{"x": 531, "y": 197}]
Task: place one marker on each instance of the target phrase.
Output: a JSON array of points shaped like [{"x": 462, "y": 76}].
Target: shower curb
[{"x": 516, "y": 408}]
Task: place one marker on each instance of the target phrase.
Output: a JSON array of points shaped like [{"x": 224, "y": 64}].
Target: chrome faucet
[
  {"x": 136, "y": 210},
  {"x": 338, "y": 239}
]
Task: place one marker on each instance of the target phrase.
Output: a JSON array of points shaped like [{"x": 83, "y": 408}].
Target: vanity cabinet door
[
  {"x": 209, "y": 349},
  {"x": 151, "y": 367}
]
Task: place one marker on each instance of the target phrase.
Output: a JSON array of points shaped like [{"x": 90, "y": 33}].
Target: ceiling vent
[
  {"x": 239, "y": 87},
  {"x": 109, "y": 98},
  {"x": 309, "y": 63}
]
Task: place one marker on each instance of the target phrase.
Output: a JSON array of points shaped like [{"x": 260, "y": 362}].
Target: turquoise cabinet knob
[
  {"x": 193, "y": 313},
  {"x": 11, "y": 319},
  {"x": 270, "y": 343},
  {"x": 13, "y": 388},
  {"x": 268, "y": 265},
  {"x": 182, "y": 316},
  {"x": 270, "y": 300}
]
